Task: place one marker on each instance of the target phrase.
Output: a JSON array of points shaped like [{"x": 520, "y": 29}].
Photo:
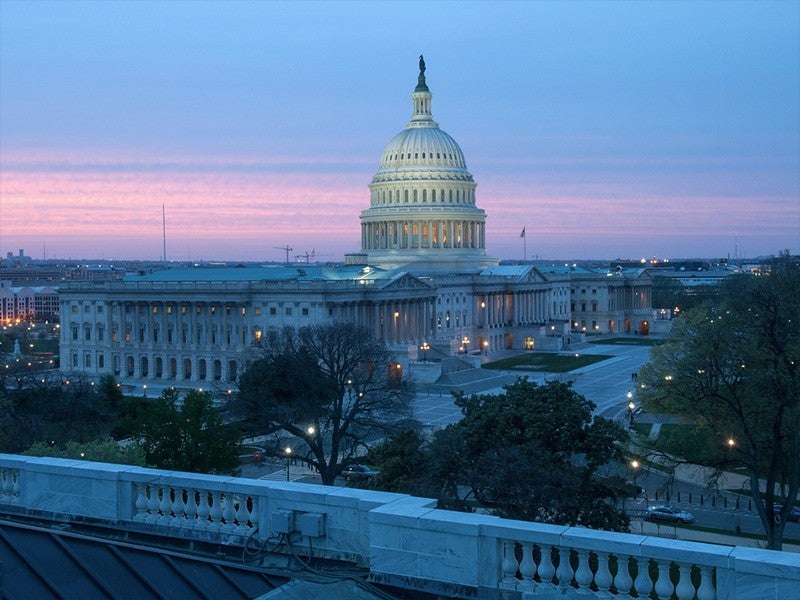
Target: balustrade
[
  {"x": 529, "y": 568},
  {"x": 195, "y": 508}
]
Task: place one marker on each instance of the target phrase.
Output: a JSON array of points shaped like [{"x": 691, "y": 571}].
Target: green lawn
[
  {"x": 549, "y": 362},
  {"x": 627, "y": 341}
]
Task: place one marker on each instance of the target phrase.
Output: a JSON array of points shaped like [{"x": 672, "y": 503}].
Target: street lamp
[
  {"x": 288, "y": 452},
  {"x": 425, "y": 347},
  {"x": 465, "y": 341},
  {"x": 486, "y": 347},
  {"x": 631, "y": 407}
]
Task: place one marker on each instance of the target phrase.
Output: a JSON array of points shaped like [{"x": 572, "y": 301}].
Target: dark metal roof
[{"x": 38, "y": 563}]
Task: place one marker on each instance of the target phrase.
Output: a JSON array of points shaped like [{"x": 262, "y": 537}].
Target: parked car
[
  {"x": 669, "y": 513},
  {"x": 357, "y": 471},
  {"x": 794, "y": 513},
  {"x": 251, "y": 454}
]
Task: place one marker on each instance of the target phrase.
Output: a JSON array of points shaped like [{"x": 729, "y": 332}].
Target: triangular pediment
[{"x": 405, "y": 281}]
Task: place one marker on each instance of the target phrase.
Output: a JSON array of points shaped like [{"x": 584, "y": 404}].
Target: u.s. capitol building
[{"x": 423, "y": 279}]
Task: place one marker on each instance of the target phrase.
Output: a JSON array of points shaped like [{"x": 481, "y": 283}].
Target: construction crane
[
  {"x": 286, "y": 249},
  {"x": 308, "y": 257}
]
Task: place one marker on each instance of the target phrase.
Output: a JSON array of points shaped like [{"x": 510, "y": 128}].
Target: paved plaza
[{"x": 605, "y": 383}]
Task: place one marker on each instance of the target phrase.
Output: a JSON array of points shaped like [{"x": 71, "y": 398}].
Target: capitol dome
[{"x": 422, "y": 202}]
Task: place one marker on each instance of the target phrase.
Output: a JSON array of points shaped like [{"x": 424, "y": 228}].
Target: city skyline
[{"x": 607, "y": 130}]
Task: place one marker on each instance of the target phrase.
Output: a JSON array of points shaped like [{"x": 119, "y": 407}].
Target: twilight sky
[{"x": 608, "y": 130}]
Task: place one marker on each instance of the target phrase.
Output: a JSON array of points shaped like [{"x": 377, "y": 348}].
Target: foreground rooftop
[{"x": 196, "y": 527}]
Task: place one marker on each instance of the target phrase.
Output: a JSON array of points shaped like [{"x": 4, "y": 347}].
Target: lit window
[
  {"x": 155, "y": 310},
  {"x": 257, "y": 311}
]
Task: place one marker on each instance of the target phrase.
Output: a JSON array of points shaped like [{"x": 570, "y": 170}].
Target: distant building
[{"x": 422, "y": 276}]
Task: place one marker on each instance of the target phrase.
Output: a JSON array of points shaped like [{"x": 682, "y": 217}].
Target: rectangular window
[
  {"x": 99, "y": 308},
  {"x": 273, "y": 311},
  {"x": 169, "y": 310},
  {"x": 74, "y": 309},
  {"x": 87, "y": 334},
  {"x": 101, "y": 334},
  {"x": 87, "y": 308},
  {"x": 101, "y": 361},
  {"x": 330, "y": 312},
  {"x": 244, "y": 311},
  {"x": 197, "y": 310},
  {"x": 288, "y": 311},
  {"x": 155, "y": 310},
  {"x": 257, "y": 311},
  {"x": 183, "y": 310},
  {"x": 75, "y": 360},
  {"x": 213, "y": 310},
  {"x": 87, "y": 360},
  {"x": 304, "y": 312}
]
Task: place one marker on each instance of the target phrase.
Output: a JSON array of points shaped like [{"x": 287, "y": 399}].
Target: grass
[
  {"x": 549, "y": 362},
  {"x": 626, "y": 341}
]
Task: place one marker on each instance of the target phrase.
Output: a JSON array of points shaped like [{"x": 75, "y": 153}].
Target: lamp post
[
  {"x": 631, "y": 407},
  {"x": 465, "y": 341},
  {"x": 486, "y": 347},
  {"x": 288, "y": 452},
  {"x": 425, "y": 347}
]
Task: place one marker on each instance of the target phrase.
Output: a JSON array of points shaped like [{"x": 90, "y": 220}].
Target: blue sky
[{"x": 607, "y": 129}]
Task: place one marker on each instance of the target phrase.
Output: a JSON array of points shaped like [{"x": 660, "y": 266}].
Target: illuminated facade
[{"x": 422, "y": 277}]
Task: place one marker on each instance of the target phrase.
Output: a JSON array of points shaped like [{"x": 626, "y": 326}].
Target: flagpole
[{"x": 524, "y": 244}]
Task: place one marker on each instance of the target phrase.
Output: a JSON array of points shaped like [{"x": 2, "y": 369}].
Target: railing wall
[{"x": 405, "y": 541}]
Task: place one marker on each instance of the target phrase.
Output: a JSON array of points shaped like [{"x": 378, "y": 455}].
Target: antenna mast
[{"x": 164, "y": 232}]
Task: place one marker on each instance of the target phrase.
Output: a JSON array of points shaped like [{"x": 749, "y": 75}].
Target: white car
[{"x": 669, "y": 513}]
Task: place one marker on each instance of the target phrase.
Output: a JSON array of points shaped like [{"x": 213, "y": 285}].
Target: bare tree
[{"x": 333, "y": 388}]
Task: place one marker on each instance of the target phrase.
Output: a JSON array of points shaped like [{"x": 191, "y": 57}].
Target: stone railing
[{"x": 405, "y": 541}]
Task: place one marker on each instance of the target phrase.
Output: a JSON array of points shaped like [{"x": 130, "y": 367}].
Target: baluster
[
  {"x": 215, "y": 511},
  {"x": 228, "y": 512},
  {"x": 253, "y": 512},
  {"x": 178, "y": 506},
  {"x": 191, "y": 509},
  {"x": 241, "y": 516},
  {"x": 564, "y": 571},
  {"x": 602, "y": 578},
  {"x": 706, "y": 590},
  {"x": 14, "y": 474},
  {"x": 152, "y": 505},
  {"x": 141, "y": 502},
  {"x": 622, "y": 580},
  {"x": 527, "y": 568},
  {"x": 5, "y": 483},
  {"x": 546, "y": 569},
  {"x": 509, "y": 566},
  {"x": 664, "y": 587},
  {"x": 203, "y": 511},
  {"x": 643, "y": 583},
  {"x": 684, "y": 589},
  {"x": 165, "y": 506},
  {"x": 583, "y": 574}
]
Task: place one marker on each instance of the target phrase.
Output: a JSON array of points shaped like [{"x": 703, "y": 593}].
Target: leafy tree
[
  {"x": 534, "y": 452},
  {"x": 328, "y": 387},
  {"x": 732, "y": 367},
  {"x": 188, "y": 436}
]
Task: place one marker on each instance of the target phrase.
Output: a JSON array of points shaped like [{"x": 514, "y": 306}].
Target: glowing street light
[
  {"x": 425, "y": 347},
  {"x": 288, "y": 452}
]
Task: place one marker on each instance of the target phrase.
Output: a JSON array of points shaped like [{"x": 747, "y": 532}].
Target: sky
[{"x": 606, "y": 129}]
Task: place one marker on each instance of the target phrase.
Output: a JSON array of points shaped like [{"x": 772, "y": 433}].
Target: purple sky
[{"x": 606, "y": 129}]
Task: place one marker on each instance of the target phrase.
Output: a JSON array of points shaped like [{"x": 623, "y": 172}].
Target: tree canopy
[
  {"x": 328, "y": 390},
  {"x": 732, "y": 367},
  {"x": 188, "y": 436},
  {"x": 533, "y": 452}
]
